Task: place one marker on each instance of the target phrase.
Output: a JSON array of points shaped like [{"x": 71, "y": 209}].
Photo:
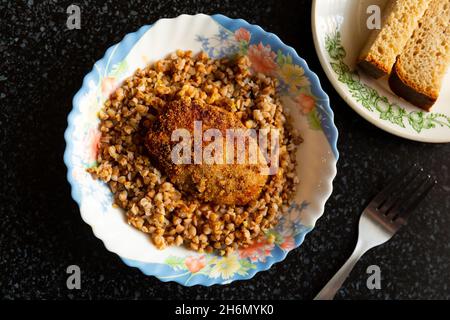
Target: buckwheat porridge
[{"x": 203, "y": 206}]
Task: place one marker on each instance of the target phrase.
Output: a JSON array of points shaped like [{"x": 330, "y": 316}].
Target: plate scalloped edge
[{"x": 121, "y": 49}]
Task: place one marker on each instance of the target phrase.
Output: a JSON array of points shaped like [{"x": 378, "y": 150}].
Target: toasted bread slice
[
  {"x": 400, "y": 19},
  {"x": 418, "y": 73}
]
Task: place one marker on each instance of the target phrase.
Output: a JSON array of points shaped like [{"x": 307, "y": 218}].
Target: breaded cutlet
[{"x": 217, "y": 183}]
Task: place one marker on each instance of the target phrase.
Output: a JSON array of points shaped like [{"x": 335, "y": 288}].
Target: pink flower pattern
[
  {"x": 257, "y": 251},
  {"x": 262, "y": 58},
  {"x": 108, "y": 86},
  {"x": 195, "y": 264},
  {"x": 305, "y": 103},
  {"x": 242, "y": 34},
  {"x": 288, "y": 243},
  {"x": 94, "y": 138}
]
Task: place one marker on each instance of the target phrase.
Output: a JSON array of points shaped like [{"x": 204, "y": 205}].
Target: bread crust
[
  {"x": 408, "y": 91},
  {"x": 372, "y": 67}
]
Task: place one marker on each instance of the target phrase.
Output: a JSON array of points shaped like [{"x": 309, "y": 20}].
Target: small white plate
[{"x": 340, "y": 31}]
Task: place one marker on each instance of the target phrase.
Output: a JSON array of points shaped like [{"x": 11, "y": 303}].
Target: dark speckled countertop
[{"x": 42, "y": 66}]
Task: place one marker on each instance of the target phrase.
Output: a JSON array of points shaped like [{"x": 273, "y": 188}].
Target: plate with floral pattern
[
  {"x": 301, "y": 96},
  {"x": 340, "y": 31}
]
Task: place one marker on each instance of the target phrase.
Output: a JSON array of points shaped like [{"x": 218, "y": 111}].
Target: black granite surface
[{"x": 41, "y": 67}]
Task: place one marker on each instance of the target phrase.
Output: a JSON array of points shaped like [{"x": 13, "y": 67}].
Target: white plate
[
  {"x": 340, "y": 31},
  {"x": 302, "y": 97}
]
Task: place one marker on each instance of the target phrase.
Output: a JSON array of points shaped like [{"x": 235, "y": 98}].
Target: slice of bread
[
  {"x": 400, "y": 19},
  {"x": 418, "y": 73}
]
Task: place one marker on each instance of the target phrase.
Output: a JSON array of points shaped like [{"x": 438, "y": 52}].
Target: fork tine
[
  {"x": 393, "y": 194},
  {"x": 406, "y": 208},
  {"x": 406, "y": 194},
  {"x": 381, "y": 197}
]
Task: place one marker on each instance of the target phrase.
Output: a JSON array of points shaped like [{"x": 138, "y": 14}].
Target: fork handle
[{"x": 332, "y": 287}]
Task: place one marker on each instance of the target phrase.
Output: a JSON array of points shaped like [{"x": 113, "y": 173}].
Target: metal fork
[{"x": 382, "y": 218}]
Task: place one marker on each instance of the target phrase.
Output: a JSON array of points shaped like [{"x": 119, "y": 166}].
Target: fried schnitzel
[{"x": 217, "y": 183}]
